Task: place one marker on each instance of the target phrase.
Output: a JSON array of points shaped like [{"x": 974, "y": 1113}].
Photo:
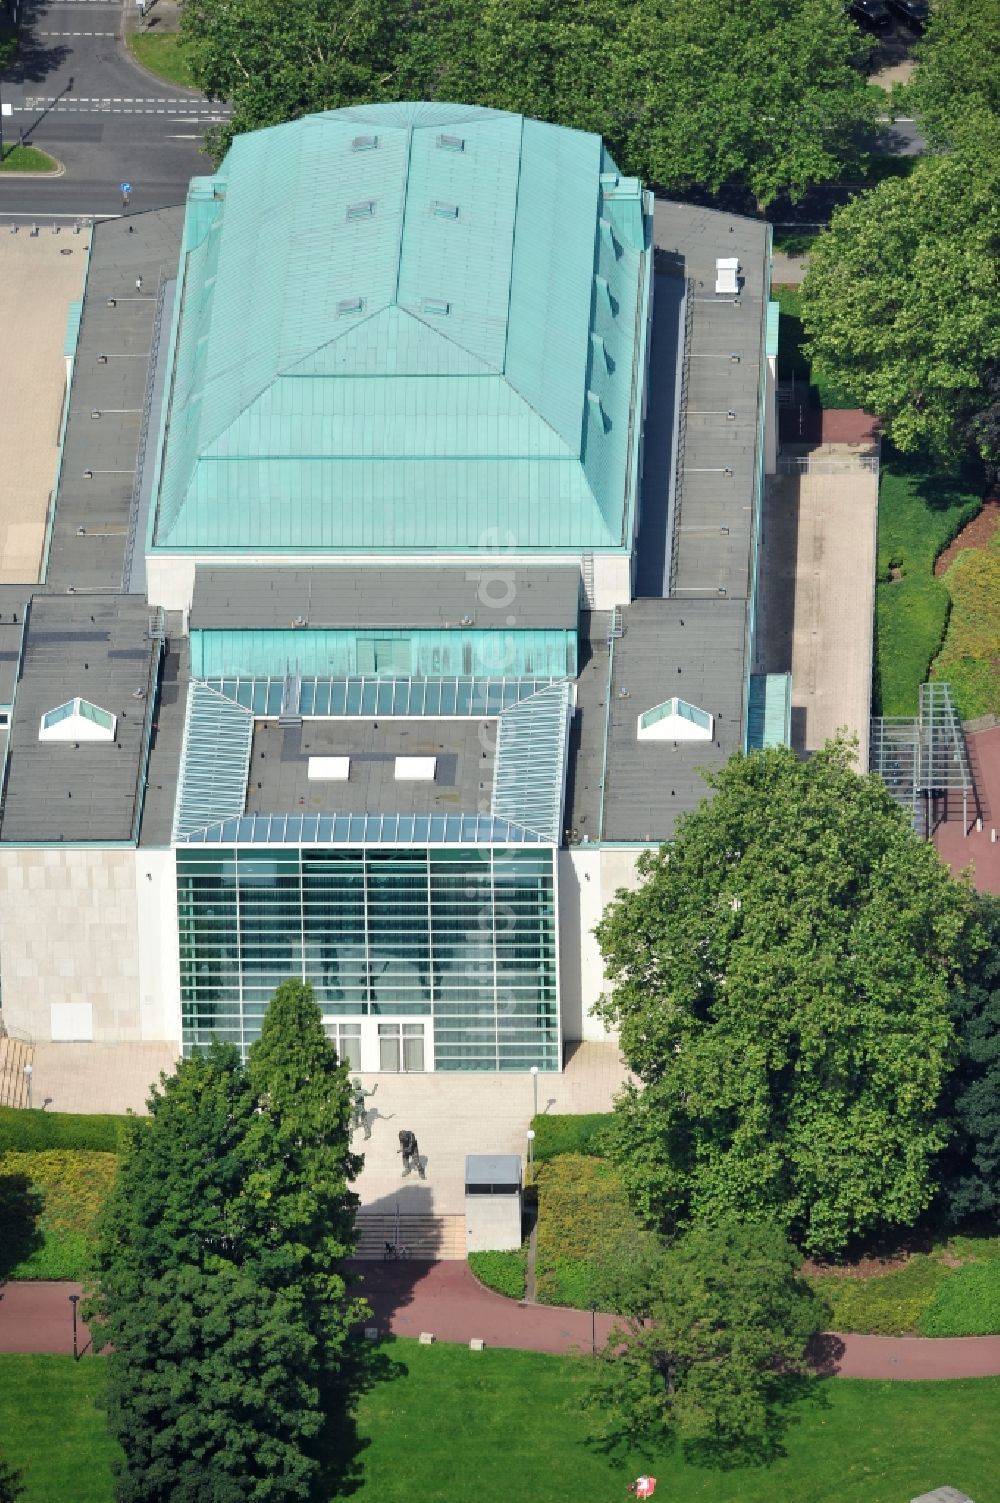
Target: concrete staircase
[
  {"x": 426, "y": 1238},
  {"x": 14, "y": 1055}
]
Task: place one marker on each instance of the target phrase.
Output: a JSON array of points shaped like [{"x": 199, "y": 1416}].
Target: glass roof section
[
  {"x": 477, "y": 698},
  {"x": 530, "y": 776},
  {"x": 215, "y": 760},
  {"x": 361, "y": 829}
]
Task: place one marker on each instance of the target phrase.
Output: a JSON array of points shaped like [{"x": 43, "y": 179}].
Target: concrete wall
[
  {"x": 69, "y": 933},
  {"x": 589, "y": 877},
  {"x": 159, "y": 999},
  {"x": 492, "y": 1223},
  {"x": 771, "y": 416}
]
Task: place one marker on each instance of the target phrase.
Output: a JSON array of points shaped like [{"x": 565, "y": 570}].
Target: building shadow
[{"x": 400, "y": 1238}]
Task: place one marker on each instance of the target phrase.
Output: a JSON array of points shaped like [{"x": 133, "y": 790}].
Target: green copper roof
[{"x": 405, "y": 327}]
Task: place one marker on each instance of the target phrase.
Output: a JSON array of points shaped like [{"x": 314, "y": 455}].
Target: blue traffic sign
[{"x": 126, "y": 187}]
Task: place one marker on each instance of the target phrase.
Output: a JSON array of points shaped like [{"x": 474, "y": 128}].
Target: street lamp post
[
  {"x": 593, "y": 1329},
  {"x": 29, "y": 1071},
  {"x": 74, "y": 1300},
  {"x": 531, "y": 1151},
  {"x": 534, "y": 1088}
]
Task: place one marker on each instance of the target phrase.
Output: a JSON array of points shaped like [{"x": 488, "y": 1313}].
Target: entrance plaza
[{"x": 40, "y": 277}]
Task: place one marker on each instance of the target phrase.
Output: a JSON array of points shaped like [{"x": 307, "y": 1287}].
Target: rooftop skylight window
[
  {"x": 364, "y": 143},
  {"x": 451, "y": 143},
  {"x": 675, "y": 720},
  {"x": 435, "y": 305},
  {"x": 444, "y": 210},
  {"x": 350, "y": 305},
  {"x": 77, "y": 720},
  {"x": 363, "y": 209}
]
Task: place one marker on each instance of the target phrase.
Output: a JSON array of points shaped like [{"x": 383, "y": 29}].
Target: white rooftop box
[
  {"x": 329, "y": 769},
  {"x": 727, "y": 275},
  {"x": 415, "y": 769},
  {"x": 675, "y": 720},
  {"x": 77, "y": 720}
]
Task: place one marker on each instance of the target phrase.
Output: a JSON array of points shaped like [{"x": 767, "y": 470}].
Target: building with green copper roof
[{"x": 406, "y": 328}]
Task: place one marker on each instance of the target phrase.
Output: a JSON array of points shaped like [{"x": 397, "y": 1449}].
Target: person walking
[{"x": 410, "y": 1150}]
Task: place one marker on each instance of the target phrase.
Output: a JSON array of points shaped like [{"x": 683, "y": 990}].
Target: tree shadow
[
  {"x": 20, "y": 1208},
  {"x": 939, "y": 489},
  {"x": 364, "y": 1365},
  {"x": 789, "y": 1395},
  {"x": 34, "y": 62}
]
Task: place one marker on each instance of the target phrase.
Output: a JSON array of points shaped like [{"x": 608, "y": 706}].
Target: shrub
[
  {"x": 889, "y": 1304},
  {"x": 585, "y": 1223},
  {"x": 569, "y": 1134},
  {"x": 35, "y": 1131},
  {"x": 568, "y": 1281},
  {"x": 967, "y": 1303},
  {"x": 53, "y": 1229},
  {"x": 503, "y": 1271}
]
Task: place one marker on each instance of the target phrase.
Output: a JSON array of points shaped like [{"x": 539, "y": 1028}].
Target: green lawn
[
  {"x": 919, "y": 514},
  {"x": 162, "y": 53},
  {"x": 500, "y": 1426},
  {"x": 26, "y": 159}
]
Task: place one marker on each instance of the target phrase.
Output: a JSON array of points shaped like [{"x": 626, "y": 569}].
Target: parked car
[
  {"x": 913, "y": 13},
  {"x": 873, "y": 15}
]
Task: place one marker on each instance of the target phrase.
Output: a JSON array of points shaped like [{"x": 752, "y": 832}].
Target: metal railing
[
  {"x": 681, "y": 435},
  {"x": 808, "y": 464},
  {"x": 135, "y": 504}
]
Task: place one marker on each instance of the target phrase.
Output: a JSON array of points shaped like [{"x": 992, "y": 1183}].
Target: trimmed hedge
[
  {"x": 569, "y": 1134},
  {"x": 583, "y": 1219},
  {"x": 36, "y": 1131},
  {"x": 503, "y": 1271}
]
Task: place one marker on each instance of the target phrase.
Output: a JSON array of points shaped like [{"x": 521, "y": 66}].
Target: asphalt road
[{"x": 75, "y": 92}]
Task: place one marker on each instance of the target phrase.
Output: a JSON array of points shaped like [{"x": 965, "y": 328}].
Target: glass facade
[{"x": 466, "y": 938}]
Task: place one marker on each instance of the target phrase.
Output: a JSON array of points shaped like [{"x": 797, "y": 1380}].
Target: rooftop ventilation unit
[
  {"x": 364, "y": 209},
  {"x": 329, "y": 769},
  {"x": 451, "y": 143},
  {"x": 350, "y": 305},
  {"x": 364, "y": 143},
  {"x": 435, "y": 305},
  {"x": 415, "y": 769},
  {"x": 443, "y": 210},
  {"x": 727, "y": 276}
]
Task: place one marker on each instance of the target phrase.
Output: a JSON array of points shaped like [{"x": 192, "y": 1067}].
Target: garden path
[{"x": 445, "y": 1300}]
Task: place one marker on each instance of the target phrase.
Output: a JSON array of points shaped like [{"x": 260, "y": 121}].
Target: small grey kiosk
[{"x": 492, "y": 1202}]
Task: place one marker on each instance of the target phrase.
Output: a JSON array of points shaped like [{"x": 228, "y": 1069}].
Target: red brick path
[
  {"x": 446, "y": 1300},
  {"x": 976, "y": 849}
]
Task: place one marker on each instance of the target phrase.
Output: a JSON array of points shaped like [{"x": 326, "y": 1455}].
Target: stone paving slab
[{"x": 39, "y": 277}]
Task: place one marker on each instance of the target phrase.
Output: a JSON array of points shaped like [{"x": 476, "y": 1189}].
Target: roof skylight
[{"x": 77, "y": 720}]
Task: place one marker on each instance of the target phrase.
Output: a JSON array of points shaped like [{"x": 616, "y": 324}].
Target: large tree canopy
[
  {"x": 957, "y": 74},
  {"x": 727, "y": 1340},
  {"x": 972, "y": 1162},
  {"x": 220, "y": 1281},
  {"x": 688, "y": 93},
  {"x": 900, "y": 302},
  {"x": 780, "y": 981}
]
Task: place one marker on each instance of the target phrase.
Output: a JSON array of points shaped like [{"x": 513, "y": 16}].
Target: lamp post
[
  {"x": 74, "y": 1300},
  {"x": 531, "y": 1152},
  {"x": 593, "y": 1328},
  {"x": 29, "y": 1071},
  {"x": 534, "y": 1088}
]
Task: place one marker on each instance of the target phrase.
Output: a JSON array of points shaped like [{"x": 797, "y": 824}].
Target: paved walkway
[
  {"x": 444, "y": 1299},
  {"x": 963, "y": 845}
]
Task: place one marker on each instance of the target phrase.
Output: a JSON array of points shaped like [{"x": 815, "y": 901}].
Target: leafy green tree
[
  {"x": 768, "y": 95},
  {"x": 957, "y": 75},
  {"x": 218, "y": 1279},
  {"x": 715, "y": 1346},
  {"x": 11, "y": 1482},
  {"x": 899, "y": 303},
  {"x": 304, "y": 1098},
  {"x": 279, "y": 62},
  {"x": 971, "y": 1167},
  {"x": 780, "y": 982}
]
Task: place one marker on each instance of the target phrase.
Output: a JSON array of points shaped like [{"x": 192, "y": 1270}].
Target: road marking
[{"x": 76, "y": 33}]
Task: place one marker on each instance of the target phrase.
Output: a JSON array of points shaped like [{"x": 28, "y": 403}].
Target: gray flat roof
[
  {"x": 279, "y": 767},
  {"x": 492, "y": 1169},
  {"x": 692, "y": 649},
  {"x": 485, "y": 596},
  {"x": 97, "y": 647},
  {"x": 712, "y": 542},
  {"x": 93, "y": 515},
  {"x": 582, "y": 817},
  {"x": 165, "y": 744}
]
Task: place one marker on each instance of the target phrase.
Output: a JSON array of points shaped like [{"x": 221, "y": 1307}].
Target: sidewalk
[{"x": 445, "y": 1300}]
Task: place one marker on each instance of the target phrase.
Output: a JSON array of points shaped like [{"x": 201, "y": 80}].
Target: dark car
[
  {"x": 873, "y": 15},
  {"x": 913, "y": 13}
]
